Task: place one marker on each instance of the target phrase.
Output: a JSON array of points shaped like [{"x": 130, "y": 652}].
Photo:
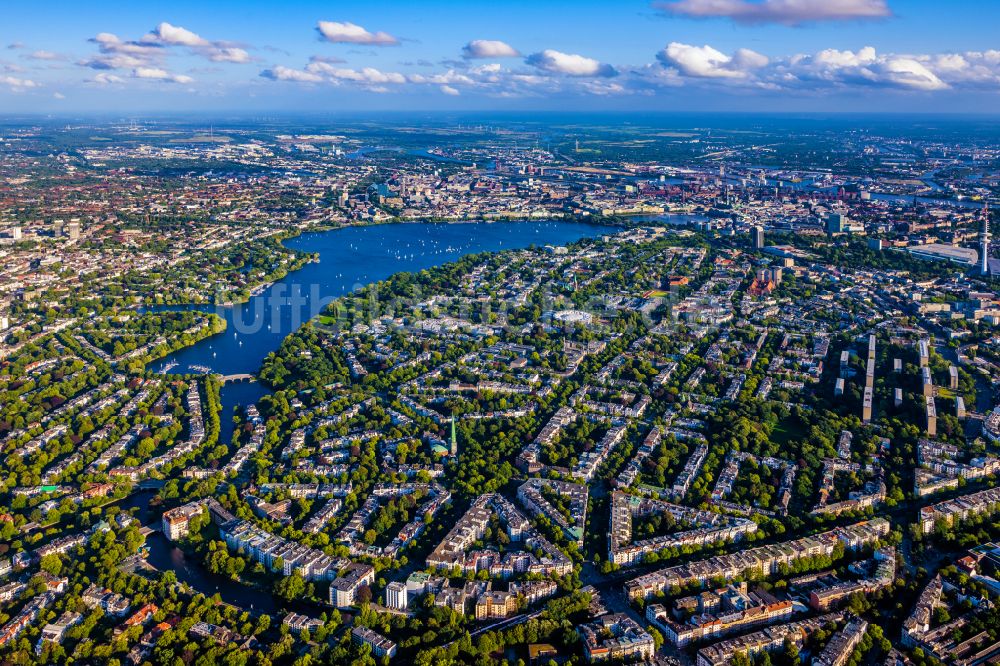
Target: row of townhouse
[
  {"x": 838, "y": 650},
  {"x": 711, "y": 626},
  {"x": 531, "y": 498},
  {"x": 766, "y": 640},
  {"x": 708, "y": 528},
  {"x": 253, "y": 445},
  {"x": 529, "y": 458},
  {"x": 471, "y": 527},
  {"x": 825, "y": 598},
  {"x": 586, "y": 467},
  {"x": 690, "y": 472},
  {"x": 326, "y": 513},
  {"x": 634, "y": 411},
  {"x": 28, "y": 614},
  {"x": 111, "y": 603},
  {"x": 195, "y": 438},
  {"x": 266, "y": 548},
  {"x": 955, "y": 510},
  {"x": 309, "y": 490},
  {"x": 616, "y": 638},
  {"x": 630, "y": 473},
  {"x": 760, "y": 560}
]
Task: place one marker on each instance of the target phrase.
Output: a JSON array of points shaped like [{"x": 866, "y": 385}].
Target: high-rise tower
[{"x": 984, "y": 262}]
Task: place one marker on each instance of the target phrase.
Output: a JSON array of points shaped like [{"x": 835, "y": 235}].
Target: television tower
[{"x": 984, "y": 266}]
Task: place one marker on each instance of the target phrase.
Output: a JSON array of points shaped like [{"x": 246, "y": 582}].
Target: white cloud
[
  {"x": 110, "y": 43},
  {"x": 447, "y": 78},
  {"x": 788, "y": 12},
  {"x": 152, "y": 49},
  {"x": 42, "y": 54},
  {"x": 832, "y": 58},
  {"x": 828, "y": 68},
  {"x": 448, "y": 90},
  {"x": 174, "y": 35},
  {"x": 866, "y": 67},
  {"x": 281, "y": 73},
  {"x": 604, "y": 88},
  {"x": 707, "y": 62},
  {"x": 58, "y": 95},
  {"x": 17, "y": 84},
  {"x": 329, "y": 59},
  {"x": 908, "y": 73},
  {"x": 105, "y": 79},
  {"x": 489, "y": 48},
  {"x": 157, "y": 74},
  {"x": 115, "y": 53},
  {"x": 166, "y": 34},
  {"x": 366, "y": 75},
  {"x": 114, "y": 62},
  {"x": 349, "y": 33},
  {"x": 557, "y": 62},
  {"x": 228, "y": 54}
]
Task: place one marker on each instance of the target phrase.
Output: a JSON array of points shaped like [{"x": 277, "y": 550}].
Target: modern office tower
[
  {"x": 73, "y": 230},
  {"x": 845, "y": 363},
  {"x": 835, "y": 223},
  {"x": 16, "y": 233},
  {"x": 838, "y": 388},
  {"x": 758, "y": 238},
  {"x": 898, "y": 397},
  {"x": 866, "y": 406}
]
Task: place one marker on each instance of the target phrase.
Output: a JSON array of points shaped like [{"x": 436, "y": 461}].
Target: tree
[
  {"x": 290, "y": 587},
  {"x": 52, "y": 564}
]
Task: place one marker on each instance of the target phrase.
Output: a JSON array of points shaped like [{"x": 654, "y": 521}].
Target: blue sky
[{"x": 673, "y": 55}]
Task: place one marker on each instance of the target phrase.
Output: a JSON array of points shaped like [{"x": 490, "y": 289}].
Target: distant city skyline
[{"x": 669, "y": 55}]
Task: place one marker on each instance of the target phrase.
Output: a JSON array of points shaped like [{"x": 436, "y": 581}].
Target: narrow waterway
[{"x": 166, "y": 556}]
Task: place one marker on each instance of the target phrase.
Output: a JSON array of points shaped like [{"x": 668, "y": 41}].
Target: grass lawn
[{"x": 787, "y": 430}]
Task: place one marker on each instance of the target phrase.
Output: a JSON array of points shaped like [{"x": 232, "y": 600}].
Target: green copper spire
[{"x": 454, "y": 439}]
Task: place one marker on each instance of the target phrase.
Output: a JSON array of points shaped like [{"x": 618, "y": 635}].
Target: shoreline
[
  {"x": 258, "y": 291},
  {"x": 296, "y": 232}
]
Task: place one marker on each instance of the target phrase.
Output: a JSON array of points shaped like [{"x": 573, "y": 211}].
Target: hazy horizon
[{"x": 737, "y": 56}]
